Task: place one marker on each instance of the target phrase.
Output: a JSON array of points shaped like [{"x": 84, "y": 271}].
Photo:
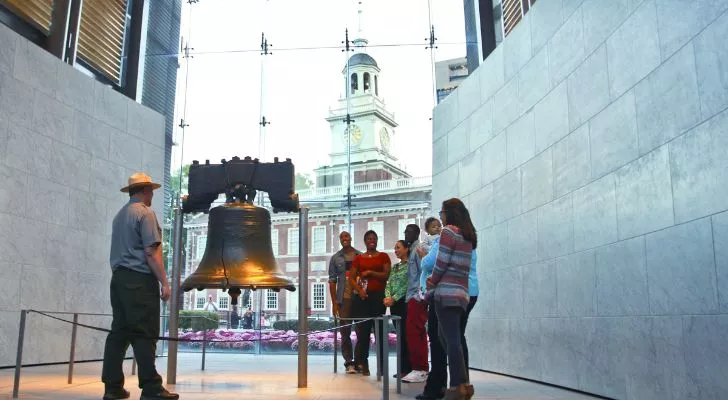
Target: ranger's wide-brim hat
[{"x": 140, "y": 179}]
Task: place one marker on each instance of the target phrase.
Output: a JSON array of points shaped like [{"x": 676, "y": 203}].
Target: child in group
[{"x": 432, "y": 229}]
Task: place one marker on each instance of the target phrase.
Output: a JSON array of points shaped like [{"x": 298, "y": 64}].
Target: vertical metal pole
[
  {"x": 377, "y": 343},
  {"x": 133, "y": 366},
  {"x": 136, "y": 26},
  {"x": 259, "y": 319},
  {"x": 337, "y": 333},
  {"x": 174, "y": 301},
  {"x": 74, "y": 25},
  {"x": 399, "y": 356},
  {"x": 19, "y": 356},
  {"x": 385, "y": 356},
  {"x": 303, "y": 298},
  {"x": 204, "y": 348},
  {"x": 72, "y": 357}
]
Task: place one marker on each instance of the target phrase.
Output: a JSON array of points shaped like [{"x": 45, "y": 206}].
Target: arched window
[
  {"x": 354, "y": 83},
  {"x": 376, "y": 85},
  {"x": 366, "y": 82}
]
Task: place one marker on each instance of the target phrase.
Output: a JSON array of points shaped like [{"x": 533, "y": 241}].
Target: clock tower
[{"x": 368, "y": 140}]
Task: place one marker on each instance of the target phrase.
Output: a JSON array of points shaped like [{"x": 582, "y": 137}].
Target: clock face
[
  {"x": 384, "y": 138},
  {"x": 355, "y": 135}
]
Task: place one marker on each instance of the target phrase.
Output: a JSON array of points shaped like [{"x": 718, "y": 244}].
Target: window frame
[
  {"x": 268, "y": 298},
  {"x": 292, "y": 251},
  {"x": 380, "y": 235},
  {"x": 274, "y": 242},
  {"x": 318, "y": 248},
  {"x": 314, "y": 286},
  {"x": 199, "y": 253},
  {"x": 402, "y": 224},
  {"x": 320, "y": 266},
  {"x": 223, "y": 296}
]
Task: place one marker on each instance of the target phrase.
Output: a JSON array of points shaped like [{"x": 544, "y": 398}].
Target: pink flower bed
[{"x": 270, "y": 340}]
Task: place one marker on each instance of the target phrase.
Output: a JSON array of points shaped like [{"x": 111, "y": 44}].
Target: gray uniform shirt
[{"x": 135, "y": 228}]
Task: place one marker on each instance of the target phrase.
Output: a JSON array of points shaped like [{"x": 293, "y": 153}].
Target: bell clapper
[{"x": 234, "y": 294}]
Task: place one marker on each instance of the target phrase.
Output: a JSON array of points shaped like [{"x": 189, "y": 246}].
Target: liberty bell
[{"x": 239, "y": 254}]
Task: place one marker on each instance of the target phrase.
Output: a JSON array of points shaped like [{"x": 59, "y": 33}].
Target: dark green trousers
[{"x": 135, "y": 305}]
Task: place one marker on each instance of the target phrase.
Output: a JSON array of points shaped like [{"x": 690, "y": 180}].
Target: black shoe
[
  {"x": 163, "y": 395},
  {"x": 116, "y": 394},
  {"x": 430, "y": 396}
]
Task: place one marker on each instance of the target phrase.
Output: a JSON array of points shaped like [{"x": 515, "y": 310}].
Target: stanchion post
[
  {"x": 133, "y": 366},
  {"x": 385, "y": 356},
  {"x": 72, "y": 357},
  {"x": 174, "y": 299},
  {"x": 337, "y": 332},
  {"x": 377, "y": 346},
  {"x": 19, "y": 355},
  {"x": 399, "y": 355},
  {"x": 302, "y": 298},
  {"x": 204, "y": 348}
]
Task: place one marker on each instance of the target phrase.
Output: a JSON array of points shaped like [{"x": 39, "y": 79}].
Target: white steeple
[{"x": 360, "y": 43}]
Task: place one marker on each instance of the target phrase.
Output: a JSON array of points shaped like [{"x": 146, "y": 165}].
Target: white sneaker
[{"x": 415, "y": 377}]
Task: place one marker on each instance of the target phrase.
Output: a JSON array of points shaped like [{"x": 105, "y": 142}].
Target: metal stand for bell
[
  {"x": 174, "y": 299},
  {"x": 302, "y": 298}
]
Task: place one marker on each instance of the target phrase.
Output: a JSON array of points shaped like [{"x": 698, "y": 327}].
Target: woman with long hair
[
  {"x": 448, "y": 287},
  {"x": 395, "y": 298},
  {"x": 368, "y": 278}
]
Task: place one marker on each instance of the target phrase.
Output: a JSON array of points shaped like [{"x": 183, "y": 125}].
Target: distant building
[
  {"x": 386, "y": 199},
  {"x": 448, "y": 75}
]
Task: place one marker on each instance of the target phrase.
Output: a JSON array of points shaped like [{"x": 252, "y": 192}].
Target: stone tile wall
[
  {"x": 592, "y": 150},
  {"x": 67, "y": 145}
]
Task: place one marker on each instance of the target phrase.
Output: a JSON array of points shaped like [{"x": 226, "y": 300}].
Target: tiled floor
[{"x": 254, "y": 377}]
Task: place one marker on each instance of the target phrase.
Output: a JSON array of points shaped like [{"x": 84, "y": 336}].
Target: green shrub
[
  {"x": 292, "y": 325},
  {"x": 198, "y": 320}
]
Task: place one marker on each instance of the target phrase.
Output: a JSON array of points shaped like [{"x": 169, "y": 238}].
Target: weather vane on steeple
[{"x": 359, "y": 42}]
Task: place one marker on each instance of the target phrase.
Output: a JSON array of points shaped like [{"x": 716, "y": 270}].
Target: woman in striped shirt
[{"x": 449, "y": 287}]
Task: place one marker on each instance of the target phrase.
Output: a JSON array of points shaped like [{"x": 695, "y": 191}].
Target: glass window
[
  {"x": 201, "y": 244},
  {"x": 292, "y": 267},
  {"x": 318, "y": 266},
  {"x": 274, "y": 241},
  {"x": 292, "y": 241},
  {"x": 378, "y": 227},
  {"x": 271, "y": 300},
  {"x": 354, "y": 83},
  {"x": 318, "y": 242},
  {"x": 350, "y": 229},
  {"x": 318, "y": 296},
  {"x": 402, "y": 225},
  {"x": 223, "y": 300},
  {"x": 366, "y": 82},
  {"x": 200, "y": 301}
]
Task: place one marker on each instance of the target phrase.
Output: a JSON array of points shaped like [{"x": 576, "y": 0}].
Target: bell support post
[
  {"x": 174, "y": 300},
  {"x": 303, "y": 298}
]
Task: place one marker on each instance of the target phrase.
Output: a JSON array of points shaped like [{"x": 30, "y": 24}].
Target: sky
[{"x": 219, "y": 91}]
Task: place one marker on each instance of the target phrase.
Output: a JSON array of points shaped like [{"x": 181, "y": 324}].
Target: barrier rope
[{"x": 171, "y": 339}]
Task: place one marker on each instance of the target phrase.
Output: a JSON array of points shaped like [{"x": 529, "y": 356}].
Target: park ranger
[{"x": 137, "y": 274}]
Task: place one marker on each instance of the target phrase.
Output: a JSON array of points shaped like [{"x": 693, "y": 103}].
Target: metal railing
[
  {"x": 72, "y": 355},
  {"x": 382, "y": 323},
  {"x": 366, "y": 188}
]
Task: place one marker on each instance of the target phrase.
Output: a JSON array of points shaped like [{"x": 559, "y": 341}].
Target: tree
[
  {"x": 174, "y": 180},
  {"x": 303, "y": 182}
]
